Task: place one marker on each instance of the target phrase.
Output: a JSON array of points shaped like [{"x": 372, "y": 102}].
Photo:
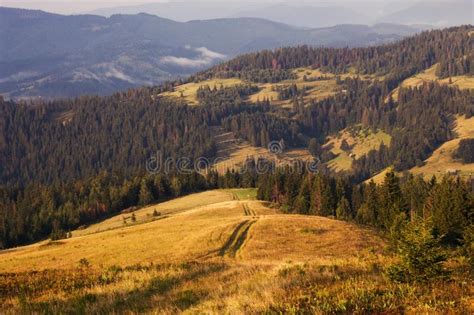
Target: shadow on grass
[{"x": 161, "y": 291}]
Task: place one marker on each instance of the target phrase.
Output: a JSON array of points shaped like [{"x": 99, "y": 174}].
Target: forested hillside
[
  {"x": 69, "y": 139},
  {"x": 297, "y": 96}
]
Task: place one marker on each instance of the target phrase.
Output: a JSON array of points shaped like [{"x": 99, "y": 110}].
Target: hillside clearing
[
  {"x": 360, "y": 141},
  {"x": 232, "y": 152},
  {"x": 164, "y": 209},
  {"x": 442, "y": 159},
  {"x": 318, "y": 84},
  {"x": 188, "y": 91}
]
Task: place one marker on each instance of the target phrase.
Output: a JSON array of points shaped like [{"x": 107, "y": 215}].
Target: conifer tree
[
  {"x": 421, "y": 255},
  {"x": 146, "y": 195},
  {"x": 343, "y": 211}
]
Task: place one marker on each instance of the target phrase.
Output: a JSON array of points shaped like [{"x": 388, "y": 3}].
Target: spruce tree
[
  {"x": 421, "y": 255},
  {"x": 343, "y": 211}
]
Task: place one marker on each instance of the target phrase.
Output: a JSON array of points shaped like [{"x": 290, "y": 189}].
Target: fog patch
[{"x": 205, "y": 57}]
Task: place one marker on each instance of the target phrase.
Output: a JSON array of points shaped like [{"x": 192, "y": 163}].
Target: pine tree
[
  {"x": 368, "y": 212},
  {"x": 343, "y": 211},
  {"x": 421, "y": 255},
  {"x": 314, "y": 148},
  {"x": 302, "y": 202},
  {"x": 392, "y": 202},
  {"x": 146, "y": 195}
]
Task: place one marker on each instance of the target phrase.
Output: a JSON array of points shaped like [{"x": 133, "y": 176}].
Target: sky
[
  {"x": 81, "y": 6},
  {"x": 68, "y": 7}
]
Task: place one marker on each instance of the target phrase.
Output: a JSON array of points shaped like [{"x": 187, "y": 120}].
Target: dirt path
[
  {"x": 248, "y": 211},
  {"x": 237, "y": 239}
]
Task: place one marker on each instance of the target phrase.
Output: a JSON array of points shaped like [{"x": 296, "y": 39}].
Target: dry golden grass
[
  {"x": 231, "y": 257},
  {"x": 188, "y": 91},
  {"x": 429, "y": 75},
  {"x": 165, "y": 208},
  {"x": 361, "y": 141},
  {"x": 426, "y": 76},
  {"x": 265, "y": 92},
  {"x": 311, "y": 239},
  {"x": 462, "y": 82},
  {"x": 317, "y": 90},
  {"x": 200, "y": 231},
  {"x": 232, "y": 152},
  {"x": 442, "y": 158},
  {"x": 379, "y": 178}
]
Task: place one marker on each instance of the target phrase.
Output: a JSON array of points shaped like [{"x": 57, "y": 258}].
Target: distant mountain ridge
[
  {"x": 307, "y": 16},
  {"x": 53, "y": 55},
  {"x": 440, "y": 13},
  {"x": 434, "y": 12}
]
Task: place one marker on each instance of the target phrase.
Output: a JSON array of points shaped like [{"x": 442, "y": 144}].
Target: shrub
[
  {"x": 58, "y": 233},
  {"x": 84, "y": 262},
  {"x": 421, "y": 256}
]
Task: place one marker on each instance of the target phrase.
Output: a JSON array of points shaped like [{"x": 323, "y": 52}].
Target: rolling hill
[
  {"x": 217, "y": 251},
  {"x": 51, "y": 55},
  {"x": 319, "y": 84},
  {"x": 296, "y": 14}
]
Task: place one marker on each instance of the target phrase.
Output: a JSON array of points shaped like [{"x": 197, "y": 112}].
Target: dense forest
[
  {"x": 66, "y": 163},
  {"x": 65, "y": 140},
  {"x": 447, "y": 203},
  {"x": 38, "y": 211},
  {"x": 405, "y": 57}
]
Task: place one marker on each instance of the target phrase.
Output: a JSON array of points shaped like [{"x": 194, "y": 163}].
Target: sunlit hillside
[
  {"x": 442, "y": 161},
  {"x": 219, "y": 252}
]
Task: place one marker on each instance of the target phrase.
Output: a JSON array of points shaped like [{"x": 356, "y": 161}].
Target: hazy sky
[{"x": 79, "y": 6}]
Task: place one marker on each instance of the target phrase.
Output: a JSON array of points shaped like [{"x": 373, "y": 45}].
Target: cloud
[
  {"x": 204, "y": 58},
  {"x": 209, "y": 53},
  {"x": 117, "y": 74}
]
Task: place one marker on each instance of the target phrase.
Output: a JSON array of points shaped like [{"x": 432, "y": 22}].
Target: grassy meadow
[
  {"x": 429, "y": 75},
  {"x": 442, "y": 159},
  {"x": 232, "y": 153},
  {"x": 360, "y": 141},
  {"x": 188, "y": 91},
  {"x": 219, "y": 252},
  {"x": 316, "y": 88}
]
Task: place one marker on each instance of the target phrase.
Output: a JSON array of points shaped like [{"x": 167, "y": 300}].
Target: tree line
[
  {"x": 38, "y": 211},
  {"x": 446, "y": 204},
  {"x": 408, "y": 56}
]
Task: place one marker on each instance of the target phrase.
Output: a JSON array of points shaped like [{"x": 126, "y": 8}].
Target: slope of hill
[
  {"x": 292, "y": 94},
  {"x": 463, "y": 82},
  {"x": 296, "y": 14},
  {"x": 52, "y": 55},
  {"x": 223, "y": 256},
  {"x": 442, "y": 160},
  {"x": 359, "y": 141}
]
